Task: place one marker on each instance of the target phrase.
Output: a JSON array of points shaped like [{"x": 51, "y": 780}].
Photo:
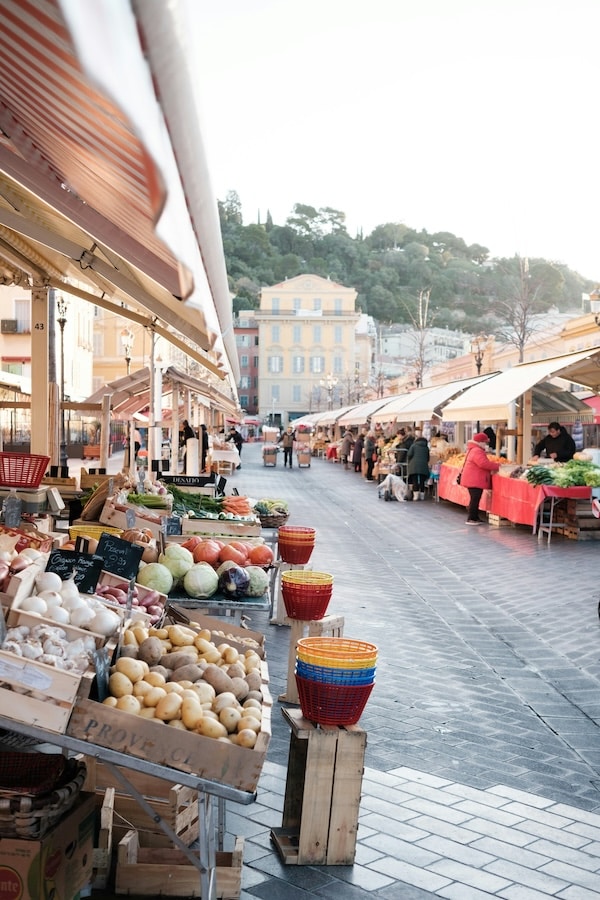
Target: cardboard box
[{"x": 55, "y": 867}]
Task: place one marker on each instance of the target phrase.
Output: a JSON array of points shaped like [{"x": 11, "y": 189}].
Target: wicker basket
[
  {"x": 51, "y": 787},
  {"x": 273, "y": 521}
]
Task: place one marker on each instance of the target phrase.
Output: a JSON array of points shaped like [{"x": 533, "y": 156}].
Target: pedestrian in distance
[
  {"x": 370, "y": 453},
  {"x": 235, "y": 437},
  {"x": 476, "y": 474},
  {"x": 418, "y": 466},
  {"x": 357, "y": 453},
  {"x": 346, "y": 447},
  {"x": 204, "y": 445},
  {"x": 287, "y": 442}
]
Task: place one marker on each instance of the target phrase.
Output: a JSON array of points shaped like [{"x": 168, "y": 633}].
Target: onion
[
  {"x": 69, "y": 588},
  {"x": 20, "y": 562},
  {"x": 105, "y": 622},
  {"x": 82, "y": 617},
  {"x": 51, "y": 598},
  {"x": 48, "y": 581},
  {"x": 59, "y": 614},
  {"x": 34, "y": 604}
]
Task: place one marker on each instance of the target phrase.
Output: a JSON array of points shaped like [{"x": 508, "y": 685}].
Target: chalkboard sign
[
  {"x": 189, "y": 480},
  {"x": 120, "y": 557},
  {"x": 86, "y": 568},
  {"x": 171, "y": 524}
]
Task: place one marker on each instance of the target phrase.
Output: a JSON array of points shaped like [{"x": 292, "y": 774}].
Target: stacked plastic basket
[
  {"x": 296, "y": 543},
  {"x": 335, "y": 677},
  {"x": 306, "y": 595}
]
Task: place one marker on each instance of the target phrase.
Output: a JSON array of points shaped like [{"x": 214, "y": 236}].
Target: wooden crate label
[{"x": 25, "y": 674}]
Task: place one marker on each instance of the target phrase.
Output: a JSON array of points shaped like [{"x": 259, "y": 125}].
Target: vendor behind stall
[{"x": 557, "y": 445}]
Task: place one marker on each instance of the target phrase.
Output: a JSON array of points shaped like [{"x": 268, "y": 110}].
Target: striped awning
[{"x": 103, "y": 180}]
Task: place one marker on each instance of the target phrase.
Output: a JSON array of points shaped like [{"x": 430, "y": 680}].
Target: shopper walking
[
  {"x": 476, "y": 474},
  {"x": 357, "y": 452},
  {"x": 287, "y": 442},
  {"x": 370, "y": 453},
  {"x": 235, "y": 437},
  {"x": 418, "y": 466},
  {"x": 346, "y": 447}
]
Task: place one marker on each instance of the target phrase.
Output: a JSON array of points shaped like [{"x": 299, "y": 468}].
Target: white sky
[{"x": 478, "y": 117}]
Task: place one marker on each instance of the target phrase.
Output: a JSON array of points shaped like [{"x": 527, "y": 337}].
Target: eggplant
[{"x": 234, "y": 582}]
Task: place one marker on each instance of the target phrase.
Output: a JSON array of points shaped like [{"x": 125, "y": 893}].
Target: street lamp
[
  {"x": 61, "y": 307},
  {"x": 478, "y": 351},
  {"x": 127, "y": 344},
  {"x": 329, "y": 384}
]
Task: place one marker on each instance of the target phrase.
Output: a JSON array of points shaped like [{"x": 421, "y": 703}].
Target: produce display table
[
  {"x": 204, "y": 856},
  {"x": 521, "y": 502},
  {"x": 447, "y": 489},
  {"x": 225, "y": 461}
]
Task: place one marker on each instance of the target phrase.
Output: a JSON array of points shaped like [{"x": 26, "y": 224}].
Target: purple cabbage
[{"x": 234, "y": 582}]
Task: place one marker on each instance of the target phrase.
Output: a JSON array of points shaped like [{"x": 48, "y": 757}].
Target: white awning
[
  {"x": 331, "y": 416},
  {"x": 489, "y": 400},
  {"x": 422, "y": 405},
  {"x": 360, "y": 415}
]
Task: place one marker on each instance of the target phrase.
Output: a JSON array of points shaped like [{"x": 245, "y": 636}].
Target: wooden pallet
[{"x": 104, "y": 842}]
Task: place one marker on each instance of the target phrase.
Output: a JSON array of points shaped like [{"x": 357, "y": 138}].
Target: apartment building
[
  {"x": 247, "y": 343},
  {"x": 308, "y": 347}
]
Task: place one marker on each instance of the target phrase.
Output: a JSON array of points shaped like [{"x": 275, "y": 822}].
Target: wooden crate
[
  {"x": 175, "y": 804},
  {"x": 145, "y": 871},
  {"x": 69, "y": 484},
  {"x": 220, "y": 762},
  {"x": 103, "y": 844},
  {"x": 19, "y": 585},
  {"x": 118, "y": 519},
  {"x": 322, "y": 793},
  {"x": 241, "y": 638},
  {"x": 214, "y": 527}
]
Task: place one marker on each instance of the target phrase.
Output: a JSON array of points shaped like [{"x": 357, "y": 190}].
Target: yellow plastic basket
[
  {"x": 312, "y": 579},
  {"x": 92, "y": 531},
  {"x": 343, "y": 653}
]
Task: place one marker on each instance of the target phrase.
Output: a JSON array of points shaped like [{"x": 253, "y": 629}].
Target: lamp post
[
  {"x": 61, "y": 307},
  {"x": 329, "y": 384},
  {"x": 478, "y": 351},
  {"x": 127, "y": 344}
]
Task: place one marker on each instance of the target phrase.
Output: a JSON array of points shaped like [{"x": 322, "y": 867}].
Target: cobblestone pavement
[{"x": 483, "y": 754}]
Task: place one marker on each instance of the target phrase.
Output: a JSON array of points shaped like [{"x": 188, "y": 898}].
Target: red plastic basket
[
  {"x": 332, "y": 704},
  {"x": 306, "y": 595},
  {"x": 24, "y": 470}
]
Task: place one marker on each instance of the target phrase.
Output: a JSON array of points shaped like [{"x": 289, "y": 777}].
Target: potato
[
  {"x": 254, "y": 681},
  {"x": 177, "y": 723},
  {"x": 246, "y": 738},
  {"x": 240, "y": 688},
  {"x": 169, "y": 707},
  {"x": 224, "y": 700},
  {"x": 180, "y": 636},
  {"x": 120, "y": 685},
  {"x": 248, "y": 722},
  {"x": 151, "y": 651},
  {"x": 252, "y": 701},
  {"x": 236, "y": 671},
  {"x": 139, "y": 632},
  {"x": 156, "y": 678},
  {"x": 177, "y": 658},
  {"x": 129, "y": 704},
  {"x": 254, "y": 695},
  {"x": 132, "y": 668},
  {"x": 191, "y": 713},
  {"x": 141, "y": 688},
  {"x": 165, "y": 674},
  {"x": 229, "y": 654},
  {"x": 161, "y": 633},
  {"x": 173, "y": 687},
  {"x": 253, "y": 711},
  {"x": 129, "y": 638},
  {"x": 229, "y": 717},
  {"x": 211, "y": 728},
  {"x": 205, "y": 691},
  {"x": 190, "y": 672},
  {"x": 219, "y": 679},
  {"x": 147, "y": 712},
  {"x": 130, "y": 650},
  {"x": 110, "y": 701},
  {"x": 207, "y": 651},
  {"x": 152, "y": 697}
]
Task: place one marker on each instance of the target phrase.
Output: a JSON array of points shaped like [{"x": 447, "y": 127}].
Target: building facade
[
  {"x": 307, "y": 339},
  {"x": 247, "y": 342}
]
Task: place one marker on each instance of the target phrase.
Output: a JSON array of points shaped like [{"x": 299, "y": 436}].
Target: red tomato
[
  {"x": 261, "y": 555},
  {"x": 228, "y": 551},
  {"x": 206, "y": 551}
]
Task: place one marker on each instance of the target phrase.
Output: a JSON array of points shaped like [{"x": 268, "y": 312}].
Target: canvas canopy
[{"x": 423, "y": 404}]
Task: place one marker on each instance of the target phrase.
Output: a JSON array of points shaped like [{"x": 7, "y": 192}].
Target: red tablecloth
[
  {"x": 455, "y": 493},
  {"x": 518, "y": 501}
]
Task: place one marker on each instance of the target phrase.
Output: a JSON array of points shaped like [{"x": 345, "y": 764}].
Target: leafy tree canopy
[{"x": 391, "y": 268}]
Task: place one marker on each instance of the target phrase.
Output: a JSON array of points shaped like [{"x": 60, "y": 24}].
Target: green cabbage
[
  {"x": 156, "y": 577},
  {"x": 200, "y": 581}
]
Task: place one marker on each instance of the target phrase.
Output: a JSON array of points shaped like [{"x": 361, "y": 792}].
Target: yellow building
[{"x": 307, "y": 347}]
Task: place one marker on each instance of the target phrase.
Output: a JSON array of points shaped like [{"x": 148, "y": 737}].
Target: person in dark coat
[
  {"x": 346, "y": 447},
  {"x": 558, "y": 444},
  {"x": 357, "y": 453},
  {"x": 476, "y": 474},
  {"x": 203, "y": 446},
  {"x": 418, "y": 466},
  {"x": 370, "y": 454},
  {"x": 237, "y": 439}
]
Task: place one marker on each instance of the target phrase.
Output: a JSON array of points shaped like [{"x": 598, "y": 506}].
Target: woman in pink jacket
[{"x": 477, "y": 474}]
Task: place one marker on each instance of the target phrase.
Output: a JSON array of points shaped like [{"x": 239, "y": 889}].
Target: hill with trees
[{"x": 392, "y": 267}]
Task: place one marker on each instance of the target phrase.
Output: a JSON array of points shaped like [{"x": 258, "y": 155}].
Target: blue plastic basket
[{"x": 329, "y": 675}]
